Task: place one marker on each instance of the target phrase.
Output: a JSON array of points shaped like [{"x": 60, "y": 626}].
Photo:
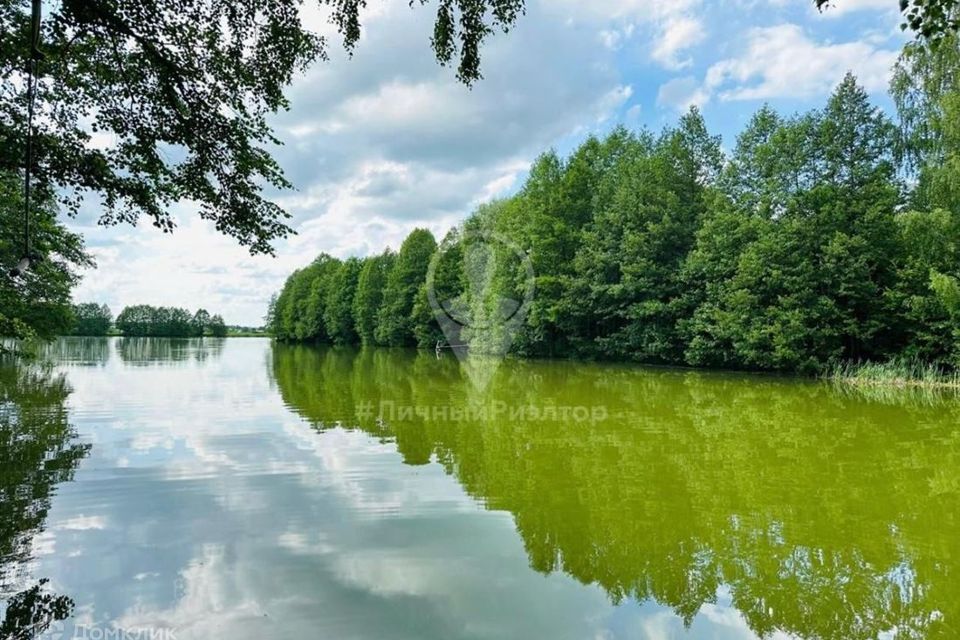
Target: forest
[{"x": 819, "y": 238}]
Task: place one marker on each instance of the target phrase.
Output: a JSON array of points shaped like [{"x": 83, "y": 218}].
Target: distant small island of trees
[{"x": 92, "y": 319}]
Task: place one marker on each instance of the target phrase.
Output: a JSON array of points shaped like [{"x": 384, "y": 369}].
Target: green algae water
[{"x": 239, "y": 489}]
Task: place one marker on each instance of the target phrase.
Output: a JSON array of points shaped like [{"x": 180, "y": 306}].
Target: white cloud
[
  {"x": 613, "y": 38},
  {"x": 193, "y": 267},
  {"x": 678, "y": 34},
  {"x": 671, "y": 27},
  {"x": 633, "y": 10},
  {"x": 839, "y": 8},
  {"x": 84, "y": 523},
  {"x": 782, "y": 61},
  {"x": 682, "y": 93}
]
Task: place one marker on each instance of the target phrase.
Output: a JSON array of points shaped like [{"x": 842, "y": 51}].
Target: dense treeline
[
  {"x": 353, "y": 301},
  {"x": 827, "y": 236},
  {"x": 92, "y": 319},
  {"x": 171, "y": 322}
]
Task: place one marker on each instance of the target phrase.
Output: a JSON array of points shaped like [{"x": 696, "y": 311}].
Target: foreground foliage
[
  {"x": 184, "y": 89},
  {"x": 37, "y": 305}
]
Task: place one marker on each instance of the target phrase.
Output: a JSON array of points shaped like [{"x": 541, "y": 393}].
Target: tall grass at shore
[{"x": 899, "y": 372}]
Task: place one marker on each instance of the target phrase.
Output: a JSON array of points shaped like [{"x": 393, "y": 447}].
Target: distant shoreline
[{"x": 245, "y": 334}]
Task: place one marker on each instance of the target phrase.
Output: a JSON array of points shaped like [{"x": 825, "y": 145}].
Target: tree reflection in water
[
  {"x": 823, "y": 514},
  {"x": 32, "y": 611},
  {"x": 168, "y": 351},
  {"x": 38, "y": 450},
  {"x": 77, "y": 351}
]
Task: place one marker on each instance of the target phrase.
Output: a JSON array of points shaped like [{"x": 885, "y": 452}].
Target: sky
[{"x": 387, "y": 140}]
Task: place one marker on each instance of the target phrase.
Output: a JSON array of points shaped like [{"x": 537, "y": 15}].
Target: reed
[{"x": 898, "y": 372}]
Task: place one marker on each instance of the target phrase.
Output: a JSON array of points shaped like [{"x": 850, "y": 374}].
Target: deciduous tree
[
  {"x": 184, "y": 88},
  {"x": 36, "y": 305},
  {"x": 394, "y": 319},
  {"x": 371, "y": 282},
  {"x": 92, "y": 319}
]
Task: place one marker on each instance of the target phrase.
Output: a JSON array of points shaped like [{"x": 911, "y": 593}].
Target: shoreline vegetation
[
  {"x": 232, "y": 332},
  {"x": 142, "y": 320},
  {"x": 824, "y": 244},
  {"x": 92, "y": 320},
  {"x": 894, "y": 373}
]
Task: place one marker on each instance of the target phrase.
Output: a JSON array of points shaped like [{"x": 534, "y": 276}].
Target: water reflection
[
  {"x": 32, "y": 612},
  {"x": 77, "y": 350},
  {"x": 38, "y": 451},
  {"x": 739, "y": 506},
  {"x": 140, "y": 351},
  {"x": 817, "y": 513}
]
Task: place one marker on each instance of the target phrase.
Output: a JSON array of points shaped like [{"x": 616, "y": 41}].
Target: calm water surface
[{"x": 235, "y": 489}]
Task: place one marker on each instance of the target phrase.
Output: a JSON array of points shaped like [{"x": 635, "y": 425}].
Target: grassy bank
[{"x": 895, "y": 373}]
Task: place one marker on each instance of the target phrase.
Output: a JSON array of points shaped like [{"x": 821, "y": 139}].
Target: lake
[{"x": 239, "y": 489}]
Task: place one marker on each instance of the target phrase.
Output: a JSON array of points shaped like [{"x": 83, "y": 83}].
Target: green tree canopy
[
  {"x": 143, "y": 320},
  {"x": 369, "y": 294},
  {"x": 36, "y": 305},
  {"x": 449, "y": 288},
  {"x": 92, "y": 319},
  {"x": 394, "y": 320},
  {"x": 926, "y": 91},
  {"x": 218, "y": 329},
  {"x": 338, "y": 315},
  {"x": 201, "y": 321}
]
